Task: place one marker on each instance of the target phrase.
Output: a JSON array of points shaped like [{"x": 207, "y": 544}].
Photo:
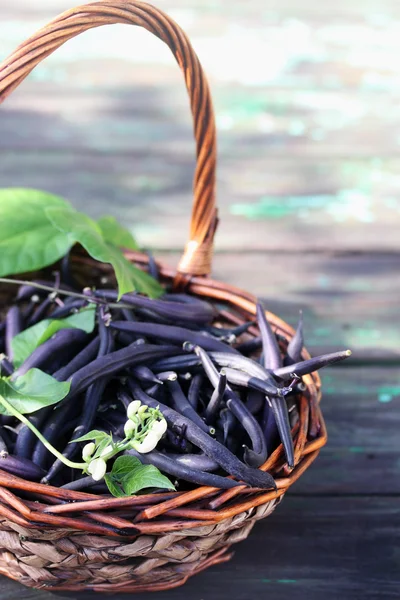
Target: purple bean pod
[
  {"x": 271, "y": 351},
  {"x": 172, "y": 334},
  {"x": 296, "y": 344},
  {"x": 116, "y": 361},
  {"x": 13, "y": 328},
  {"x": 306, "y": 367},
  {"x": 84, "y": 357},
  {"x": 182, "y": 405},
  {"x": 22, "y": 467},
  {"x": 63, "y": 341}
]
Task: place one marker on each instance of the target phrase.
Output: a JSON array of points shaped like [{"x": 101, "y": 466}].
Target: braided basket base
[{"x": 64, "y": 560}]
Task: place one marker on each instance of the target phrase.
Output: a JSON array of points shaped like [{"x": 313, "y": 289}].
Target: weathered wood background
[{"x": 307, "y": 98}]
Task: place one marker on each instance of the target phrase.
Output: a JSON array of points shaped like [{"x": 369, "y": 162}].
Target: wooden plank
[
  {"x": 361, "y": 407},
  {"x": 76, "y": 106},
  {"x": 309, "y": 548},
  {"x": 265, "y": 203}
]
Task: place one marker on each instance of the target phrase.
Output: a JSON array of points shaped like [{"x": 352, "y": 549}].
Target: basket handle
[{"x": 197, "y": 257}]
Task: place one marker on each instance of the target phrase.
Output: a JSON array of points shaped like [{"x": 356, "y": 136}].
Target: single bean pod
[
  {"x": 182, "y": 471},
  {"x": 203, "y": 313},
  {"x": 228, "y": 461},
  {"x": 172, "y": 335},
  {"x": 63, "y": 341},
  {"x": 272, "y": 354},
  {"x": 194, "y": 390},
  {"x": 216, "y": 399},
  {"x": 116, "y": 361},
  {"x": 296, "y": 344},
  {"x": 13, "y": 328},
  {"x": 281, "y": 414},
  {"x": 21, "y": 467},
  {"x": 312, "y": 364},
  {"x": 182, "y": 405},
  {"x": 80, "y": 484},
  {"x": 26, "y": 439},
  {"x": 84, "y": 357},
  {"x": 202, "y": 462},
  {"x": 145, "y": 374}
]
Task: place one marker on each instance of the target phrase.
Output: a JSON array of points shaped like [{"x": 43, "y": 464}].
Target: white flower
[
  {"x": 129, "y": 428},
  {"x": 148, "y": 444},
  {"x": 133, "y": 407},
  {"x": 142, "y": 409},
  {"x": 97, "y": 468},
  {"x": 107, "y": 450},
  {"x": 159, "y": 427},
  {"x": 88, "y": 450}
]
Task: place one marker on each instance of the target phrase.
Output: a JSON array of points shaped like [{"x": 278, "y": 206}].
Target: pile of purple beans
[{"x": 229, "y": 399}]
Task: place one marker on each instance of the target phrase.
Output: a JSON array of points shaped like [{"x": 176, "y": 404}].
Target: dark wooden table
[{"x": 307, "y": 99}]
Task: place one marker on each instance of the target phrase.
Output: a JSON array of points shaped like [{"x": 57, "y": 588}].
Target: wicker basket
[{"x": 64, "y": 540}]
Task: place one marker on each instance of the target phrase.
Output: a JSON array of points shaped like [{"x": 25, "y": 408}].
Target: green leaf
[
  {"x": 145, "y": 476},
  {"x": 115, "y": 234},
  {"x": 32, "y": 391},
  {"x": 113, "y": 486},
  {"x": 95, "y": 435},
  {"x": 28, "y": 240},
  {"x": 129, "y": 476},
  {"x": 28, "y": 340},
  {"x": 80, "y": 228}
]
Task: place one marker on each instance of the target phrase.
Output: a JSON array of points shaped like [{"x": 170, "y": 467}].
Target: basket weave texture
[{"x": 67, "y": 540}]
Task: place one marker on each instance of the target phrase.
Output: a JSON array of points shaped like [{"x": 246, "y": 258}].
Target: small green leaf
[
  {"x": 115, "y": 234},
  {"x": 113, "y": 486},
  {"x": 95, "y": 435},
  {"x": 145, "y": 476},
  {"x": 32, "y": 391},
  {"x": 28, "y": 340},
  {"x": 129, "y": 476},
  {"x": 28, "y": 240},
  {"x": 80, "y": 228}
]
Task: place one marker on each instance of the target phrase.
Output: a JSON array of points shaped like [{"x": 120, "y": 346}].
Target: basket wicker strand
[{"x": 67, "y": 540}]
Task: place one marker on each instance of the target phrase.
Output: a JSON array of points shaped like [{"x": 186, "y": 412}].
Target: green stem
[
  {"x": 48, "y": 288},
  {"x": 45, "y": 443}
]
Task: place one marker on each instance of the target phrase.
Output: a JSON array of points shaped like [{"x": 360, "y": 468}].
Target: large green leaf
[
  {"x": 115, "y": 234},
  {"x": 28, "y": 340},
  {"x": 129, "y": 476},
  {"x": 32, "y": 391},
  {"x": 28, "y": 240},
  {"x": 80, "y": 228}
]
